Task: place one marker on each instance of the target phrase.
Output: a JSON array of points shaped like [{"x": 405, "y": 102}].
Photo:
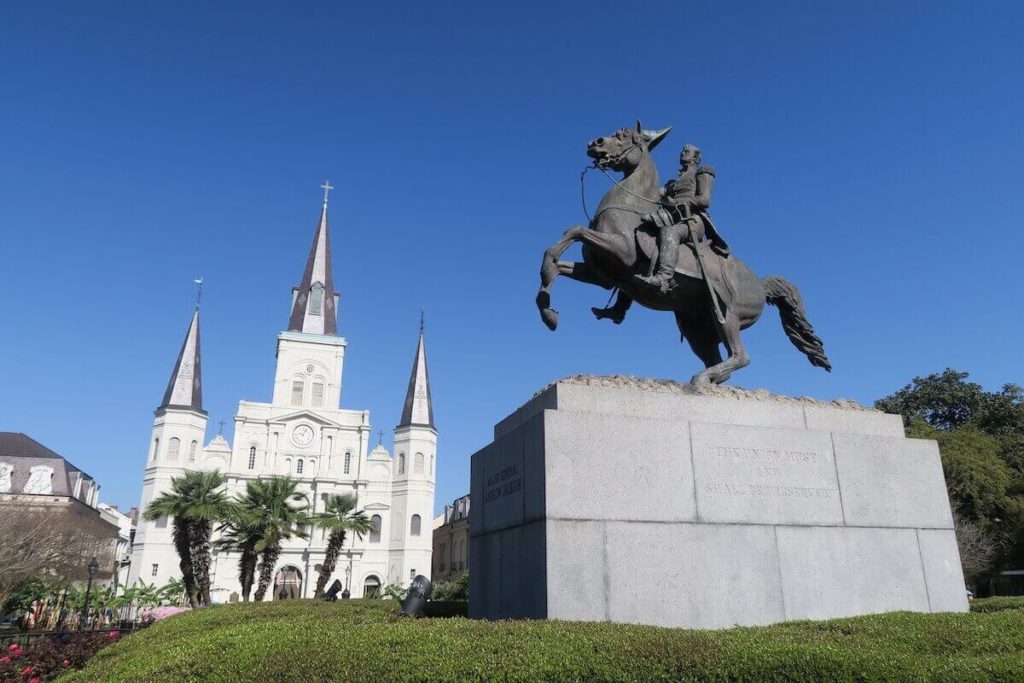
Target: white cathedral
[{"x": 302, "y": 432}]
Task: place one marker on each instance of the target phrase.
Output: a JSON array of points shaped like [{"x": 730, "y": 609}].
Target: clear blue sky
[{"x": 870, "y": 153}]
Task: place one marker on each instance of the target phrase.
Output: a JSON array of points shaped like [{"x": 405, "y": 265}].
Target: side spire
[
  {"x": 313, "y": 304},
  {"x": 418, "y": 409},
  {"x": 185, "y": 388}
]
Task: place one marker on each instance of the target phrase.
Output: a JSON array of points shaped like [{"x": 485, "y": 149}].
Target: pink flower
[
  {"x": 34, "y": 680},
  {"x": 27, "y": 670},
  {"x": 14, "y": 647},
  {"x": 158, "y": 613},
  {"x": 113, "y": 634},
  {"x": 5, "y": 659},
  {"x": 67, "y": 662}
]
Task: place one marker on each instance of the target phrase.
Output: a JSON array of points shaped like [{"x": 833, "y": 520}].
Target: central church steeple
[{"x": 314, "y": 301}]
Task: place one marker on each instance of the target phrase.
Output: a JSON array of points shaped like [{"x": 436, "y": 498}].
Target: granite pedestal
[{"x": 651, "y": 502}]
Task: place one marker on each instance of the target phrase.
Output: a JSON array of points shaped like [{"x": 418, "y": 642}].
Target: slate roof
[
  {"x": 318, "y": 269},
  {"x": 419, "y": 408},
  {"x": 17, "y": 448},
  {"x": 185, "y": 388}
]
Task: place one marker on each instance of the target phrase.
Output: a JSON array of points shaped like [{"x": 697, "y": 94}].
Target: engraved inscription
[
  {"x": 504, "y": 483},
  {"x": 767, "y": 491},
  {"x": 763, "y": 454},
  {"x": 769, "y": 468}
]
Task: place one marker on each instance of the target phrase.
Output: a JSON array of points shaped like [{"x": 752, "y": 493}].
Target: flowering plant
[{"x": 157, "y": 613}]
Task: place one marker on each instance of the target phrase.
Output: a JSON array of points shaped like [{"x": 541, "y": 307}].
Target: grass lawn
[{"x": 363, "y": 640}]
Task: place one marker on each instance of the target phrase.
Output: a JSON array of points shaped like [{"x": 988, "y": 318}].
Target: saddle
[{"x": 718, "y": 267}]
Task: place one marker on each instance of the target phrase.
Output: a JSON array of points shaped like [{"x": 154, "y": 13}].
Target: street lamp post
[
  {"x": 346, "y": 594},
  {"x": 92, "y": 568}
]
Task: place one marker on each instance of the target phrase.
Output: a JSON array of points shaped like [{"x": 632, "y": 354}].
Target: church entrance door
[
  {"x": 371, "y": 587},
  {"x": 288, "y": 584}
]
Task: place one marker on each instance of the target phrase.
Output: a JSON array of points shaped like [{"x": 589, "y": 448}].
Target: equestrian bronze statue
[{"x": 713, "y": 294}]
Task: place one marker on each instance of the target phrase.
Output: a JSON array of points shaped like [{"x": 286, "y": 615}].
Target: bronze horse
[{"x": 618, "y": 245}]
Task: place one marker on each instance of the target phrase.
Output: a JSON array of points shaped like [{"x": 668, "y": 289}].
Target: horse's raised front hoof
[
  {"x": 610, "y": 313},
  {"x": 550, "y": 318}
]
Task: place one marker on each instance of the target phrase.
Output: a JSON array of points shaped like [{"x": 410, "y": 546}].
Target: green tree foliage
[
  {"x": 240, "y": 534},
  {"x": 981, "y": 438},
  {"x": 195, "y": 502},
  {"x": 339, "y": 517},
  {"x": 947, "y": 401},
  {"x": 271, "y": 513}
]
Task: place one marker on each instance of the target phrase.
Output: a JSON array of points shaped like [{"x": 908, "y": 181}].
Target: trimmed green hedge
[
  {"x": 446, "y": 608},
  {"x": 997, "y": 604},
  {"x": 363, "y": 640}
]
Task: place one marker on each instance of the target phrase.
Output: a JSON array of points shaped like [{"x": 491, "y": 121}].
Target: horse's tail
[{"x": 782, "y": 293}]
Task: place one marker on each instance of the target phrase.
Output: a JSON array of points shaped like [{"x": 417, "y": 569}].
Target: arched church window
[
  {"x": 414, "y": 526},
  {"x": 172, "y": 448},
  {"x": 316, "y": 299},
  {"x": 192, "y": 451},
  {"x": 318, "y": 394},
  {"x": 298, "y": 466},
  {"x": 348, "y": 462},
  {"x": 156, "y": 449},
  {"x": 375, "y": 525},
  {"x": 417, "y": 467},
  {"x": 297, "y": 387},
  {"x": 252, "y": 457},
  {"x": 401, "y": 463}
]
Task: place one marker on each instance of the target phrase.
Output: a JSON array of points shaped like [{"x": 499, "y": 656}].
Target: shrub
[
  {"x": 47, "y": 658},
  {"x": 998, "y": 604},
  {"x": 364, "y": 640},
  {"x": 456, "y": 589},
  {"x": 446, "y": 608}
]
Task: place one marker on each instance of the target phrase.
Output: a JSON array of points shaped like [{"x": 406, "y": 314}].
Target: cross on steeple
[
  {"x": 327, "y": 187},
  {"x": 198, "y": 282},
  {"x": 221, "y": 432}
]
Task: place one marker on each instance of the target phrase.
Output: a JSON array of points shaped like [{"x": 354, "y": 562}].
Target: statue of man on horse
[
  {"x": 622, "y": 252},
  {"x": 683, "y": 217}
]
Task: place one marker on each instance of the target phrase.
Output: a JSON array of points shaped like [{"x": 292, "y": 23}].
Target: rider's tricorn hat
[{"x": 653, "y": 137}]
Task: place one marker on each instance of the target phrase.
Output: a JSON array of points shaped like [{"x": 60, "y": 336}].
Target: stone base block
[{"x": 651, "y": 502}]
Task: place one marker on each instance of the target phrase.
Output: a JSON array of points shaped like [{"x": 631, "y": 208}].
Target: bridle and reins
[{"x": 600, "y": 165}]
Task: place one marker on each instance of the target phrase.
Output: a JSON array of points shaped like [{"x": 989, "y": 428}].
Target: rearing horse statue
[{"x": 618, "y": 245}]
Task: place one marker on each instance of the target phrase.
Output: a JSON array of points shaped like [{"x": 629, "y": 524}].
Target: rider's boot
[
  {"x": 659, "y": 281},
  {"x": 617, "y": 312},
  {"x": 668, "y": 256},
  {"x": 613, "y": 313}
]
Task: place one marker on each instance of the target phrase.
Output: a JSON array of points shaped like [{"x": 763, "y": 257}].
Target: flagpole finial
[
  {"x": 198, "y": 282},
  {"x": 327, "y": 187}
]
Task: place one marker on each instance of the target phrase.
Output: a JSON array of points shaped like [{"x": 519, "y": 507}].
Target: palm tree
[
  {"x": 209, "y": 504},
  {"x": 276, "y": 519},
  {"x": 240, "y": 534},
  {"x": 194, "y": 503},
  {"x": 173, "y": 592},
  {"x": 174, "y": 504},
  {"x": 339, "y": 518}
]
